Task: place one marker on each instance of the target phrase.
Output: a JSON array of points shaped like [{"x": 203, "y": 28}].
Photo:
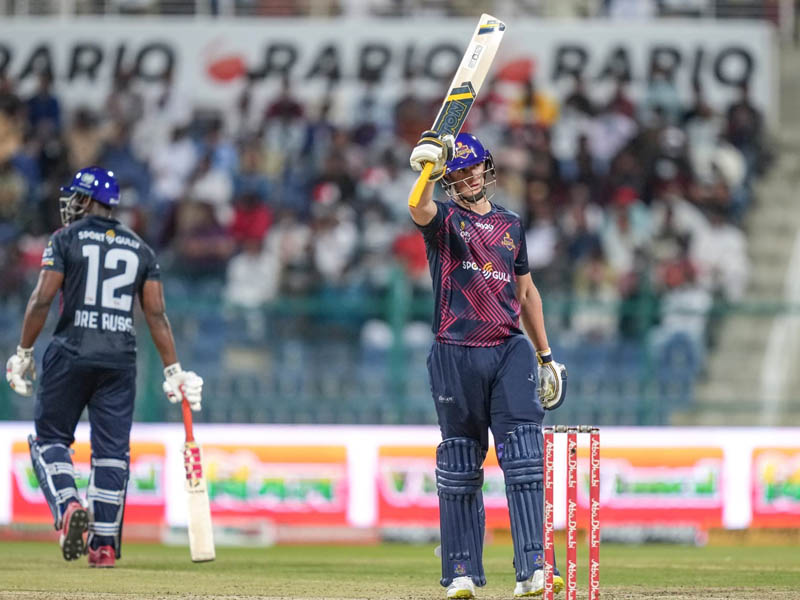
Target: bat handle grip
[
  {"x": 187, "y": 420},
  {"x": 419, "y": 186}
]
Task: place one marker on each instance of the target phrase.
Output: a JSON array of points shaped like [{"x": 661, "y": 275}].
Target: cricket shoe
[
  {"x": 534, "y": 585},
  {"x": 102, "y": 557},
  {"x": 461, "y": 587},
  {"x": 74, "y": 524}
]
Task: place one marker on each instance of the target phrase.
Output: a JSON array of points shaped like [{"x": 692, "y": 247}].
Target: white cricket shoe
[
  {"x": 461, "y": 587},
  {"x": 534, "y": 585}
]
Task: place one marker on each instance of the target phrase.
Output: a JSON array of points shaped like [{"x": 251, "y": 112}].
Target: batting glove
[
  {"x": 432, "y": 148},
  {"x": 552, "y": 380},
  {"x": 17, "y": 367},
  {"x": 180, "y": 385}
]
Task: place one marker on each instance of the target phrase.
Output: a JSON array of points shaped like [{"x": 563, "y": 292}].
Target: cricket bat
[
  {"x": 464, "y": 88},
  {"x": 201, "y": 536}
]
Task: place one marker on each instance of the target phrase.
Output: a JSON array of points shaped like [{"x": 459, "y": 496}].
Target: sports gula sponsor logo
[{"x": 487, "y": 270}]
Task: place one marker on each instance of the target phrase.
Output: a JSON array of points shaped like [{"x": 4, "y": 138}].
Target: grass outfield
[{"x": 35, "y": 570}]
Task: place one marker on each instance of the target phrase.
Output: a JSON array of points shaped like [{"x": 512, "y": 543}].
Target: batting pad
[
  {"x": 523, "y": 468},
  {"x": 459, "y": 478},
  {"x": 108, "y": 485},
  {"x": 52, "y": 464}
]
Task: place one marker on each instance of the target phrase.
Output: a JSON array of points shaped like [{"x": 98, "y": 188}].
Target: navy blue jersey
[
  {"x": 474, "y": 262},
  {"x": 105, "y": 265}
]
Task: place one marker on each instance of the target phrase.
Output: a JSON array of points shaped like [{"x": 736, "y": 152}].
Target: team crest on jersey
[
  {"x": 464, "y": 233},
  {"x": 110, "y": 235},
  {"x": 508, "y": 243}
]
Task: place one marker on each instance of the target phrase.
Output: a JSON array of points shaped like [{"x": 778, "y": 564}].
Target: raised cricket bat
[
  {"x": 201, "y": 535},
  {"x": 464, "y": 88}
]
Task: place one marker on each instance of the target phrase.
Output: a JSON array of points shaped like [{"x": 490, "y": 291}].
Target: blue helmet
[
  {"x": 90, "y": 183},
  {"x": 97, "y": 183},
  {"x": 467, "y": 151}
]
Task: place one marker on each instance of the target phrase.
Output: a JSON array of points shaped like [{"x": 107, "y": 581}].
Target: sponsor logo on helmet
[
  {"x": 462, "y": 150},
  {"x": 87, "y": 179},
  {"x": 508, "y": 243}
]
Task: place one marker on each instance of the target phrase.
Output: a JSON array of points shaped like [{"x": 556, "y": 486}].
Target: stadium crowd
[
  {"x": 621, "y": 198},
  {"x": 614, "y": 9}
]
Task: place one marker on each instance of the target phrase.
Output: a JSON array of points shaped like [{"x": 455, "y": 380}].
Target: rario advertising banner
[{"x": 210, "y": 63}]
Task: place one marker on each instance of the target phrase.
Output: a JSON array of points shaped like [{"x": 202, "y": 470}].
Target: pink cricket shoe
[
  {"x": 102, "y": 557},
  {"x": 74, "y": 524}
]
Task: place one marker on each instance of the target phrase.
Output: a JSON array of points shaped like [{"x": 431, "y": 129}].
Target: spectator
[
  {"x": 202, "y": 246},
  {"x": 253, "y": 275},
  {"x": 84, "y": 139},
  {"x": 44, "y": 109},
  {"x": 251, "y": 178},
  {"x": 626, "y": 231},
  {"x": 662, "y": 96},
  {"x": 334, "y": 241},
  {"x": 720, "y": 253},
  {"x": 220, "y": 149},
  {"x": 172, "y": 164},
  {"x": 252, "y": 218},
  {"x": 124, "y": 104},
  {"x": 117, "y": 155},
  {"x": 533, "y": 107},
  {"x": 212, "y": 185},
  {"x": 684, "y": 306},
  {"x": 745, "y": 130},
  {"x": 596, "y": 292}
]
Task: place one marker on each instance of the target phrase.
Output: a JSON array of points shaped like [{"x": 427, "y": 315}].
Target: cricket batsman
[
  {"x": 100, "y": 267},
  {"x": 484, "y": 373}
]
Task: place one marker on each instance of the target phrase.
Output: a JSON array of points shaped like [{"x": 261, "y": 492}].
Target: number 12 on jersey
[{"x": 109, "y": 296}]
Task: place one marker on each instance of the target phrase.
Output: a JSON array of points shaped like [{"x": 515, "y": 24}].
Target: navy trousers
[
  {"x": 477, "y": 389},
  {"x": 66, "y": 388}
]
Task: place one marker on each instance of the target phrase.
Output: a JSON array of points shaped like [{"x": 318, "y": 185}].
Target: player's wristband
[
  {"x": 544, "y": 356},
  {"x": 172, "y": 369}
]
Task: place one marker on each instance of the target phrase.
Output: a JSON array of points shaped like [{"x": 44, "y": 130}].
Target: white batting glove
[
  {"x": 432, "y": 148},
  {"x": 180, "y": 384},
  {"x": 552, "y": 380},
  {"x": 17, "y": 367}
]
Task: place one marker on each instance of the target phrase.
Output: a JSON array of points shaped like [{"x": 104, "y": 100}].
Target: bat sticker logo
[
  {"x": 476, "y": 55},
  {"x": 491, "y": 26}
]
